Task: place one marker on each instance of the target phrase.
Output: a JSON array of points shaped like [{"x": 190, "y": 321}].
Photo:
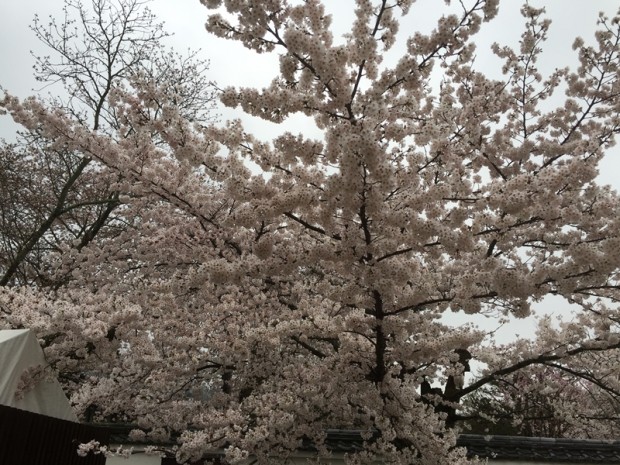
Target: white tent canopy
[{"x": 19, "y": 351}]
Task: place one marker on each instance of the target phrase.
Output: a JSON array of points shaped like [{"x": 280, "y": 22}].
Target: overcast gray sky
[{"x": 233, "y": 65}]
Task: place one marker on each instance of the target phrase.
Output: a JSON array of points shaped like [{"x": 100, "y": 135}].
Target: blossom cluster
[{"x": 252, "y": 309}]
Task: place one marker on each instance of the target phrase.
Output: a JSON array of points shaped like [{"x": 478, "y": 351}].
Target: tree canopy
[{"x": 249, "y": 294}]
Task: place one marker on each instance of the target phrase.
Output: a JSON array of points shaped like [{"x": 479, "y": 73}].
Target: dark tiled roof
[
  {"x": 506, "y": 447},
  {"x": 339, "y": 440},
  {"x": 541, "y": 449},
  {"x": 492, "y": 447}
]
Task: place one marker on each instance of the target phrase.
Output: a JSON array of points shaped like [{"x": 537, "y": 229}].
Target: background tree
[
  {"x": 56, "y": 198},
  {"x": 312, "y": 294},
  {"x": 575, "y": 399}
]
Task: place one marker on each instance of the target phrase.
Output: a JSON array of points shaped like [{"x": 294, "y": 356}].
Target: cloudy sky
[{"x": 232, "y": 65}]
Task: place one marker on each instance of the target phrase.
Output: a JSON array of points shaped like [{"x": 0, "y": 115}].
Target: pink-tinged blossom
[{"x": 248, "y": 310}]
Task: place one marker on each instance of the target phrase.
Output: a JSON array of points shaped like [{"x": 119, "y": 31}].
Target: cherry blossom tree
[
  {"x": 575, "y": 399},
  {"x": 269, "y": 290}
]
